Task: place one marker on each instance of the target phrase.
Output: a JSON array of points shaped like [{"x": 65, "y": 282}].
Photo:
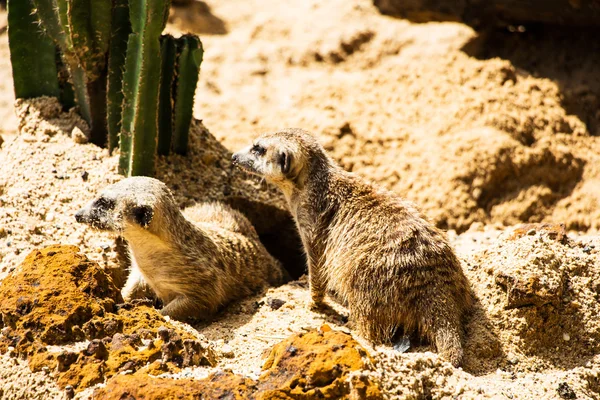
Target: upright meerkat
[
  {"x": 374, "y": 249},
  {"x": 193, "y": 268}
]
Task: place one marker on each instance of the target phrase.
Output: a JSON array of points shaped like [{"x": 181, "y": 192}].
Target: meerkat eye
[
  {"x": 105, "y": 203},
  {"x": 258, "y": 150}
]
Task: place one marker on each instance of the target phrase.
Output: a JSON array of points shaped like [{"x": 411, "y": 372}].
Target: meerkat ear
[
  {"x": 142, "y": 215},
  {"x": 285, "y": 161}
]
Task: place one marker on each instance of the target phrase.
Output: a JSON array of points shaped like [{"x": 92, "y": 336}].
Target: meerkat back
[{"x": 222, "y": 216}]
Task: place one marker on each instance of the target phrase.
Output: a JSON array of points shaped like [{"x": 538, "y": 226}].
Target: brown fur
[
  {"x": 374, "y": 249},
  {"x": 194, "y": 268}
]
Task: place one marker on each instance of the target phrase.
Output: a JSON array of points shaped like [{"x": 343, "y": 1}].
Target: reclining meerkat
[
  {"x": 374, "y": 249},
  {"x": 193, "y": 268}
]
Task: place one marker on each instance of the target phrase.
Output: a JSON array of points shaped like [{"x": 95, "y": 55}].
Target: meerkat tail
[{"x": 447, "y": 337}]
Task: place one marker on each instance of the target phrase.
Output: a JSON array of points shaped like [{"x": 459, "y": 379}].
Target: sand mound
[
  {"x": 418, "y": 107},
  {"x": 541, "y": 297}
]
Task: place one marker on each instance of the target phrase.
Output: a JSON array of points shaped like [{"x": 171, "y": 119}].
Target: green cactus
[
  {"x": 188, "y": 66},
  {"x": 81, "y": 29},
  {"x": 121, "y": 28},
  {"x": 90, "y": 29},
  {"x": 132, "y": 86},
  {"x": 141, "y": 81},
  {"x": 89, "y": 24},
  {"x": 32, "y": 53},
  {"x": 168, "y": 53},
  {"x": 52, "y": 16},
  {"x": 67, "y": 95},
  {"x": 181, "y": 59}
]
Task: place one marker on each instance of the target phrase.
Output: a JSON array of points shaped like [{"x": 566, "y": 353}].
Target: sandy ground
[{"x": 483, "y": 131}]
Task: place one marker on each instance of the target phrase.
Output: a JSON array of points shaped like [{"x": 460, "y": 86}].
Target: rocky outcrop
[
  {"x": 59, "y": 297},
  {"x": 533, "y": 281},
  {"x": 323, "y": 364},
  {"x": 539, "y": 290}
]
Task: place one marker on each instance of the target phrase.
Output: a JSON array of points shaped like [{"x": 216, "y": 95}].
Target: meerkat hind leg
[{"x": 374, "y": 326}]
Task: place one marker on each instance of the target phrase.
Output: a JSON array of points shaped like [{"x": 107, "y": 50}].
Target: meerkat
[
  {"x": 193, "y": 268},
  {"x": 375, "y": 250}
]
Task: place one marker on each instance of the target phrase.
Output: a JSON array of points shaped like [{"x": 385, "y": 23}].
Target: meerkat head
[
  {"x": 131, "y": 202},
  {"x": 284, "y": 157}
]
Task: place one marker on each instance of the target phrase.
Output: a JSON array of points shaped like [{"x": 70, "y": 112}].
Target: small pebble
[
  {"x": 84, "y": 176},
  {"x": 292, "y": 350},
  {"x": 531, "y": 232},
  {"x": 227, "y": 351},
  {"x": 275, "y": 304},
  {"x": 565, "y": 391},
  {"x": 402, "y": 345},
  {"x": 78, "y": 136},
  {"x": 566, "y": 337}
]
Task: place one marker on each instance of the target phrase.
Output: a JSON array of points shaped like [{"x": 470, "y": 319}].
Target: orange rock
[
  {"x": 553, "y": 231},
  {"x": 56, "y": 290},
  {"x": 314, "y": 365},
  {"x": 221, "y": 385},
  {"x": 60, "y": 297}
]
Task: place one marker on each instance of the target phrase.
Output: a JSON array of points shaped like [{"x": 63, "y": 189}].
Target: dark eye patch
[
  {"x": 258, "y": 150},
  {"x": 105, "y": 203},
  {"x": 284, "y": 162}
]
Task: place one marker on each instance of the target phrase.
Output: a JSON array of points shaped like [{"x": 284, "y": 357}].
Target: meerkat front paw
[
  {"x": 127, "y": 294},
  {"x": 181, "y": 308},
  {"x": 318, "y": 305}
]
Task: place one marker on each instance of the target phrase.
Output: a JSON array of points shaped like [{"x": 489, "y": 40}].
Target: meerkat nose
[
  {"x": 235, "y": 158},
  {"x": 79, "y": 216}
]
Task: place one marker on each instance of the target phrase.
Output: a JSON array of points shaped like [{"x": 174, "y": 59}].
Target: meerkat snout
[
  {"x": 277, "y": 164},
  {"x": 80, "y": 216},
  {"x": 394, "y": 269},
  {"x": 193, "y": 265}
]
